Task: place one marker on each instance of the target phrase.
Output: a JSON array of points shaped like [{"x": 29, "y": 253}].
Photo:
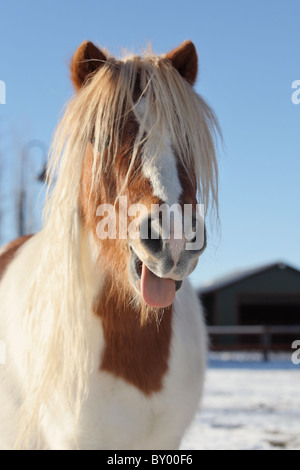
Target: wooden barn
[{"x": 254, "y": 302}]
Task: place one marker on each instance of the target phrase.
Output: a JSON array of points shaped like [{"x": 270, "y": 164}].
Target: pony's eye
[{"x": 106, "y": 143}]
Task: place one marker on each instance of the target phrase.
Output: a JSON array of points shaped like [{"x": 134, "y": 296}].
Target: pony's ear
[
  {"x": 184, "y": 58},
  {"x": 86, "y": 60}
]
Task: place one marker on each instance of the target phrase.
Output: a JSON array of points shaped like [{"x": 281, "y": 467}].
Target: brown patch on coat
[
  {"x": 10, "y": 253},
  {"x": 137, "y": 353}
]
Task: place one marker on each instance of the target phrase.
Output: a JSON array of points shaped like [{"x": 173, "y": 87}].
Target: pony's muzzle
[
  {"x": 160, "y": 259},
  {"x": 176, "y": 240}
]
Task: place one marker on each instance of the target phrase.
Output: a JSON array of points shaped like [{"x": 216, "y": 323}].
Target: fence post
[{"x": 266, "y": 342}]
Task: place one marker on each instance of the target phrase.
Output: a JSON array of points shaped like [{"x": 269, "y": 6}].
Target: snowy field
[{"x": 248, "y": 404}]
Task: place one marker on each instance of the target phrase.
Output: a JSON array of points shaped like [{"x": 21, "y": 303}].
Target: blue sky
[{"x": 249, "y": 56}]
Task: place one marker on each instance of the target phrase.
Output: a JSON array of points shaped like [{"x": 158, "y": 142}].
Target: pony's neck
[
  {"x": 136, "y": 351},
  {"x": 136, "y": 338}
]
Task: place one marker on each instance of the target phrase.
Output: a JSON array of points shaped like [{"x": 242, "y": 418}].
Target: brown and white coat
[{"x": 105, "y": 339}]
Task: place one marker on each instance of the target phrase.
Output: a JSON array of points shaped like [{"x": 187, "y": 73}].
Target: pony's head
[
  {"x": 149, "y": 154},
  {"x": 143, "y": 140}
]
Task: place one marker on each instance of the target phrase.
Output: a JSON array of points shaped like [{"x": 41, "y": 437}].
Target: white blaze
[{"x": 159, "y": 163}]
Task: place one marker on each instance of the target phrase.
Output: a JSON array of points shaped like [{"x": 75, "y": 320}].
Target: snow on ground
[{"x": 248, "y": 404}]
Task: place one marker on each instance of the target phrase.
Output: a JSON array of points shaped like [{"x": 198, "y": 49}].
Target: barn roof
[{"x": 241, "y": 275}]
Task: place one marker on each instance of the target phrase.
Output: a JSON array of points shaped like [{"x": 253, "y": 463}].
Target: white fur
[
  {"x": 159, "y": 166},
  {"x": 161, "y": 170},
  {"x": 115, "y": 415}
]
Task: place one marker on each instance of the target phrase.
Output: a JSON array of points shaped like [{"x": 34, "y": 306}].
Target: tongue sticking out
[{"x": 156, "y": 291}]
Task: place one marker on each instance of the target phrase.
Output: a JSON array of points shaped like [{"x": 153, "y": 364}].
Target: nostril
[
  {"x": 150, "y": 237},
  {"x": 153, "y": 245}
]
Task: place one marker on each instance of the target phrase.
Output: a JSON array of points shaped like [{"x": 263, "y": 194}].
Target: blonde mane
[{"x": 58, "y": 360}]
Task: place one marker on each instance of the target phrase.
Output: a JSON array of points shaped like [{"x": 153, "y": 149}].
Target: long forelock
[{"x": 100, "y": 110}]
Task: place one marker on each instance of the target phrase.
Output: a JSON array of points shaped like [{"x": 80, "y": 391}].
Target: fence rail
[{"x": 264, "y": 332}]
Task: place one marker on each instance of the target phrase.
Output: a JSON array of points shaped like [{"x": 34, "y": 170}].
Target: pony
[{"x": 105, "y": 338}]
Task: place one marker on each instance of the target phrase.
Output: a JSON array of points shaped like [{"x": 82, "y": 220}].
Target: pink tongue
[{"x": 156, "y": 291}]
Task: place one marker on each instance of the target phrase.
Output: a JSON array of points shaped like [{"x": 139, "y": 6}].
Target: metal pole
[
  {"x": 23, "y": 194},
  {"x": 266, "y": 342}
]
